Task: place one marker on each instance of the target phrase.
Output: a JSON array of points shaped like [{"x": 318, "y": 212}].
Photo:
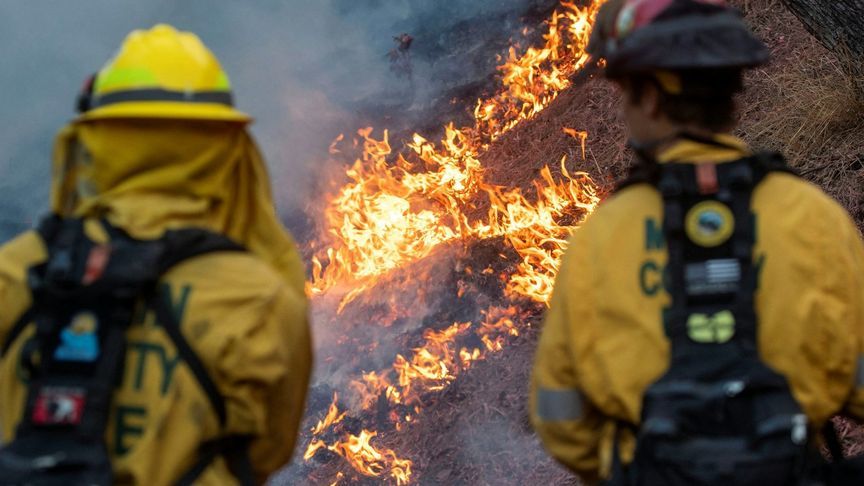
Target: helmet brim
[
  {"x": 720, "y": 41},
  {"x": 168, "y": 110}
]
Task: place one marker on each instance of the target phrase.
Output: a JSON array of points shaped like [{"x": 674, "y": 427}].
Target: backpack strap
[
  {"x": 181, "y": 245},
  {"x": 171, "y": 327},
  {"x": 235, "y": 450},
  {"x": 46, "y": 230},
  {"x": 132, "y": 269},
  {"x": 683, "y": 187},
  {"x": 178, "y": 246},
  {"x": 646, "y": 170},
  {"x": 22, "y": 322}
]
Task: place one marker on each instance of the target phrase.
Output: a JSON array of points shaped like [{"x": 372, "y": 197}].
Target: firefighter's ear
[{"x": 650, "y": 101}]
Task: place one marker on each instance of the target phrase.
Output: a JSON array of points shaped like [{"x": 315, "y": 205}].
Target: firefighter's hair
[{"x": 705, "y": 98}]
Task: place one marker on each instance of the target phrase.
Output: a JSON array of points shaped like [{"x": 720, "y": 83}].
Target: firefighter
[
  {"x": 212, "y": 386},
  {"x": 683, "y": 280}
]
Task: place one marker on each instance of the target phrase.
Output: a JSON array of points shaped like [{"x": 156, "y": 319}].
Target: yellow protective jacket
[
  {"x": 243, "y": 314},
  {"x": 603, "y": 341}
]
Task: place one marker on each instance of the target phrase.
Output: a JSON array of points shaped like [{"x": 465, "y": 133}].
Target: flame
[
  {"x": 534, "y": 79},
  {"x": 366, "y": 458},
  {"x": 397, "y": 207},
  {"x": 313, "y": 448},
  {"x": 391, "y": 213},
  {"x": 333, "y": 417},
  {"x": 582, "y": 136},
  {"x": 339, "y": 477}
]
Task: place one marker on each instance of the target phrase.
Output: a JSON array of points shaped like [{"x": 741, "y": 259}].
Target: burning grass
[
  {"x": 437, "y": 257},
  {"x": 399, "y": 207}
]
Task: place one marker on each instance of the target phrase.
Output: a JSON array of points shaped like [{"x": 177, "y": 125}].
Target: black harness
[
  {"x": 719, "y": 415},
  {"x": 85, "y": 296}
]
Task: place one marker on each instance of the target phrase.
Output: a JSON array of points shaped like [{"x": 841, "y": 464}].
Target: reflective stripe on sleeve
[
  {"x": 554, "y": 405},
  {"x": 859, "y": 375}
]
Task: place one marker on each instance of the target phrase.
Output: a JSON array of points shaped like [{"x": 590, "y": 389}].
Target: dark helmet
[{"x": 642, "y": 36}]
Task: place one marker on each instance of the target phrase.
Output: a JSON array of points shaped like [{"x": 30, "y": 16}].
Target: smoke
[{"x": 306, "y": 70}]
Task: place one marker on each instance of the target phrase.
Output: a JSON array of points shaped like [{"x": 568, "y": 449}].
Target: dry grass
[
  {"x": 805, "y": 105},
  {"x": 852, "y": 436},
  {"x": 802, "y": 104},
  {"x": 810, "y": 112},
  {"x": 590, "y": 106}
]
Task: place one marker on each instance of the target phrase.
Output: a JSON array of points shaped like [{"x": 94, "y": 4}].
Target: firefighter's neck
[
  {"x": 650, "y": 127},
  {"x": 662, "y": 135}
]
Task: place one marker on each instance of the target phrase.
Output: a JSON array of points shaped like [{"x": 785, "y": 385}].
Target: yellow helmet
[{"x": 161, "y": 73}]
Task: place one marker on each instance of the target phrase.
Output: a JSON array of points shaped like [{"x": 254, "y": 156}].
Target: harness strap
[
  {"x": 181, "y": 245},
  {"x": 46, "y": 230},
  {"x": 647, "y": 170},
  {"x": 144, "y": 262},
  {"x": 16, "y": 330},
  {"x": 742, "y": 182},
  {"x": 235, "y": 450},
  {"x": 712, "y": 285},
  {"x": 169, "y": 323}
]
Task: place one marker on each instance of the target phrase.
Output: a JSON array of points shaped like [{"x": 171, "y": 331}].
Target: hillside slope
[
  {"x": 476, "y": 431},
  {"x": 799, "y": 104}
]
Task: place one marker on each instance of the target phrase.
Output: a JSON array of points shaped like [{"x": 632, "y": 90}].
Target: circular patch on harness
[{"x": 709, "y": 223}]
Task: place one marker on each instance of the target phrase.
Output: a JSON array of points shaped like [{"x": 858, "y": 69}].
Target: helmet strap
[{"x": 85, "y": 97}]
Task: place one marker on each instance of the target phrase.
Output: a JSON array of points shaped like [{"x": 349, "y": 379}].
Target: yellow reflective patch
[
  {"x": 116, "y": 79},
  {"x": 718, "y": 328},
  {"x": 223, "y": 84},
  {"x": 709, "y": 223}
]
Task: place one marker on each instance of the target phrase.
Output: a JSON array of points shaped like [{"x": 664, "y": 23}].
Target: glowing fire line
[{"x": 391, "y": 213}]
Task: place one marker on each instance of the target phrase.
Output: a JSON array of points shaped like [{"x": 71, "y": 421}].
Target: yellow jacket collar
[{"x": 729, "y": 148}]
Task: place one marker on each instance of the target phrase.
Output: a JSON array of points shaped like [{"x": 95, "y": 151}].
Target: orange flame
[
  {"x": 398, "y": 208},
  {"x": 333, "y": 417},
  {"x": 366, "y": 458},
  {"x": 582, "y": 136},
  {"x": 313, "y": 448},
  {"x": 393, "y": 213},
  {"x": 534, "y": 79}
]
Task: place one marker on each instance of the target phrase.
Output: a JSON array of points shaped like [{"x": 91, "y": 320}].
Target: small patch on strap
[
  {"x": 79, "y": 341},
  {"x": 717, "y": 328},
  {"x": 97, "y": 260},
  {"x": 709, "y": 223},
  {"x": 706, "y": 178},
  {"x": 556, "y": 405},
  {"x": 59, "y": 406}
]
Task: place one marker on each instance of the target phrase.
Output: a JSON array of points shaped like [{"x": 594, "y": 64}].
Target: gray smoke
[
  {"x": 304, "y": 69},
  {"x": 307, "y": 70}
]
